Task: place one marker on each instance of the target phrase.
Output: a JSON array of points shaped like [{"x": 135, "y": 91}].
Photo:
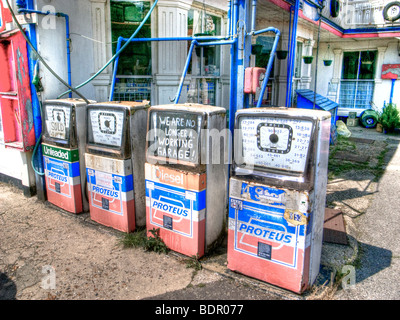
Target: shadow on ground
[{"x": 8, "y": 289}]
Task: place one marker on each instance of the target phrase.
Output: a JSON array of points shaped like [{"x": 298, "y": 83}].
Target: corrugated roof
[{"x": 320, "y": 101}]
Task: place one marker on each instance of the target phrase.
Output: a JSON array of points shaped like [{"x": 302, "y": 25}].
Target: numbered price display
[
  {"x": 275, "y": 143},
  {"x": 107, "y": 127}
]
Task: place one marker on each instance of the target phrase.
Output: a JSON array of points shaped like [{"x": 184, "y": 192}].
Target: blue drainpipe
[
  {"x": 392, "y": 91},
  {"x": 233, "y": 83},
  {"x": 67, "y": 34},
  {"x": 270, "y": 60},
  {"x": 292, "y": 54},
  {"x": 36, "y": 109}
]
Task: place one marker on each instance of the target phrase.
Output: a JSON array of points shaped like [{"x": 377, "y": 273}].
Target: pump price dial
[
  {"x": 275, "y": 143},
  {"x": 107, "y": 123},
  {"x": 107, "y": 127},
  {"x": 274, "y": 137}
]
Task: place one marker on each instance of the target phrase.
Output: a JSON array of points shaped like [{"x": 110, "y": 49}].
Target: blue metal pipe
[
  {"x": 193, "y": 44},
  {"x": 206, "y": 38},
  {"x": 233, "y": 83},
  {"x": 216, "y": 43},
  {"x": 233, "y": 86},
  {"x": 292, "y": 54},
  {"x": 114, "y": 78},
  {"x": 243, "y": 53},
  {"x": 117, "y": 53},
  {"x": 392, "y": 91},
  {"x": 289, "y": 32},
  {"x": 178, "y": 94},
  {"x": 67, "y": 32},
  {"x": 37, "y": 157},
  {"x": 254, "y": 13},
  {"x": 270, "y": 61},
  {"x": 121, "y": 39},
  {"x": 228, "y": 25}
]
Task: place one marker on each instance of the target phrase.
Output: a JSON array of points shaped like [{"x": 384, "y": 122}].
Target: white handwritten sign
[{"x": 176, "y": 135}]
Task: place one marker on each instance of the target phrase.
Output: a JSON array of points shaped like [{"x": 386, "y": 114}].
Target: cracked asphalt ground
[
  {"x": 50, "y": 254},
  {"x": 40, "y": 244}
]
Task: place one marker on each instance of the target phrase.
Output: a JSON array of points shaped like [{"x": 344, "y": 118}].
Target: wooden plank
[
  {"x": 334, "y": 228},
  {"x": 361, "y": 140},
  {"x": 345, "y": 155}
]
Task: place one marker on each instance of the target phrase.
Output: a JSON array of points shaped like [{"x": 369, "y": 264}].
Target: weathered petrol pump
[
  {"x": 186, "y": 178},
  {"x": 115, "y": 157},
  {"x": 277, "y": 195},
  {"x": 64, "y": 141}
]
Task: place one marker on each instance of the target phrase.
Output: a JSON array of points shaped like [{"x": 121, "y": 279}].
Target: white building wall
[
  {"x": 52, "y": 46},
  {"x": 328, "y": 83}
]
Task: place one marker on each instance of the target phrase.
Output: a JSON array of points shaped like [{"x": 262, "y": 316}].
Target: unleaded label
[{"x": 60, "y": 153}]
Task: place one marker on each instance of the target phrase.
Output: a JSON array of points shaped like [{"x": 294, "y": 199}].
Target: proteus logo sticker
[
  {"x": 57, "y": 177},
  {"x": 170, "y": 208},
  {"x": 105, "y": 192},
  {"x": 265, "y": 233}
]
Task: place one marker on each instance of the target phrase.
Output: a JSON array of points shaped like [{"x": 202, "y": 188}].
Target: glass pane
[
  {"x": 347, "y": 90},
  {"x": 299, "y": 59},
  {"x": 365, "y": 93},
  {"x": 205, "y": 60},
  {"x": 356, "y": 94},
  {"x": 350, "y": 65},
  {"x": 368, "y": 63},
  {"x": 262, "y": 58},
  {"x": 125, "y": 18}
]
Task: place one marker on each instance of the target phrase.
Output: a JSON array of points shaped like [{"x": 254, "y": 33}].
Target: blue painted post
[
  {"x": 292, "y": 54},
  {"x": 233, "y": 84},
  {"x": 114, "y": 78},
  {"x": 36, "y": 110},
  {"x": 392, "y": 91},
  {"x": 243, "y": 51},
  {"x": 270, "y": 61}
]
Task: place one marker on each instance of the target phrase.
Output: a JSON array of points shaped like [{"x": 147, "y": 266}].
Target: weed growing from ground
[
  {"x": 194, "y": 263},
  {"x": 139, "y": 239}
]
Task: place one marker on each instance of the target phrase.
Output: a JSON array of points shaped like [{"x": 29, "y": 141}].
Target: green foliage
[
  {"x": 139, "y": 239},
  {"x": 194, "y": 263},
  {"x": 390, "y": 118},
  {"x": 155, "y": 243}
]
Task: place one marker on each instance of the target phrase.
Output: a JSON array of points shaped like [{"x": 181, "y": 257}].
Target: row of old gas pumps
[{"x": 166, "y": 167}]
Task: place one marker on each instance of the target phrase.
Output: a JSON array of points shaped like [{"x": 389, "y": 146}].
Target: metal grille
[
  {"x": 356, "y": 94},
  {"x": 133, "y": 89}
]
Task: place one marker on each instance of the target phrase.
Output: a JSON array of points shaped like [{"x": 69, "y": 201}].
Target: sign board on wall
[
  {"x": 390, "y": 71},
  {"x": 5, "y": 15}
]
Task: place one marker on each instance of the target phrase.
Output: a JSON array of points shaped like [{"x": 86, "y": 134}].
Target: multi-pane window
[
  {"x": 297, "y": 71},
  {"x": 205, "y": 65},
  {"x": 261, "y": 60},
  {"x": 134, "y": 66},
  {"x": 357, "y": 83}
]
